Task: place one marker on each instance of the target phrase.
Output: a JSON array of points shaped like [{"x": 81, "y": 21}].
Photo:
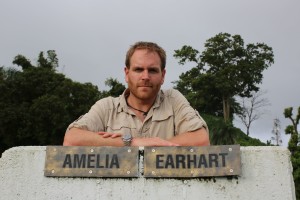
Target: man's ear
[
  {"x": 163, "y": 76},
  {"x": 126, "y": 70}
]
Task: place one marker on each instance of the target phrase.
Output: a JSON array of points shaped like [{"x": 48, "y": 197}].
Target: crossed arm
[{"x": 80, "y": 137}]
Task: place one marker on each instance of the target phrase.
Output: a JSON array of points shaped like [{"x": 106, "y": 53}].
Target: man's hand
[
  {"x": 156, "y": 141},
  {"x": 81, "y": 137},
  {"x": 107, "y": 135}
]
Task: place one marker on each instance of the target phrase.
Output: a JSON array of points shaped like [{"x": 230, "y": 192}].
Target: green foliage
[
  {"x": 244, "y": 140},
  {"x": 186, "y": 53},
  {"x": 116, "y": 88},
  {"x": 51, "y": 62},
  {"x": 198, "y": 90},
  {"x": 295, "y": 159},
  {"x": 224, "y": 69},
  {"x": 23, "y": 62},
  {"x": 37, "y": 104},
  {"x": 293, "y": 145},
  {"x": 222, "y": 133}
]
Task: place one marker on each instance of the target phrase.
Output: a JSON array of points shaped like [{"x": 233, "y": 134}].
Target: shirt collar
[{"x": 122, "y": 105}]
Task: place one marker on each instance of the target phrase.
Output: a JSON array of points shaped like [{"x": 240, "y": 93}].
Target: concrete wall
[{"x": 266, "y": 174}]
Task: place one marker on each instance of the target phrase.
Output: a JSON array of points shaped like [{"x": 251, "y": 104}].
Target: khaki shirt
[{"x": 171, "y": 114}]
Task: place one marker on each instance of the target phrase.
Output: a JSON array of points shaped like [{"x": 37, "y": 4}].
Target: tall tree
[
  {"x": 200, "y": 93},
  {"x": 252, "y": 108},
  {"x": 228, "y": 67}
]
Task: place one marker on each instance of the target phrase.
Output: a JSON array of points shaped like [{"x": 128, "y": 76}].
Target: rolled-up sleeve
[
  {"x": 187, "y": 119},
  {"x": 94, "y": 119}
]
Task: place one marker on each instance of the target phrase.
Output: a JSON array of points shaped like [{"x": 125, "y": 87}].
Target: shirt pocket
[
  {"x": 163, "y": 113},
  {"x": 120, "y": 125},
  {"x": 163, "y": 124}
]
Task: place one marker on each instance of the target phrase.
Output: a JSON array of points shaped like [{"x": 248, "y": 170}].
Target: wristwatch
[{"x": 127, "y": 138}]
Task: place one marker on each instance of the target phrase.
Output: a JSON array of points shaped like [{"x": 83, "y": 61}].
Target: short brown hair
[{"x": 150, "y": 46}]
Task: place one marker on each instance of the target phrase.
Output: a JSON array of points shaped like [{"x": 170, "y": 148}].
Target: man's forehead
[
  {"x": 145, "y": 51},
  {"x": 152, "y": 57},
  {"x": 137, "y": 66}
]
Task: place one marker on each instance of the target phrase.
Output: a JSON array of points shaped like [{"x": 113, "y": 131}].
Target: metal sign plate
[
  {"x": 192, "y": 161},
  {"x": 85, "y": 161}
]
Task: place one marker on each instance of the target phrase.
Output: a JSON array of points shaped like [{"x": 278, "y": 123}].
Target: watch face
[
  {"x": 127, "y": 136},
  {"x": 127, "y": 139}
]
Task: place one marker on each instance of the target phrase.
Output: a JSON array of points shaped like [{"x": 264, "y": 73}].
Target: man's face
[{"x": 144, "y": 77}]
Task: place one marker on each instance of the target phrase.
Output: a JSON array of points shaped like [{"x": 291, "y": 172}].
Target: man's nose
[{"x": 145, "y": 74}]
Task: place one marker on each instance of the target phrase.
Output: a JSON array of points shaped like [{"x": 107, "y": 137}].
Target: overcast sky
[{"x": 91, "y": 38}]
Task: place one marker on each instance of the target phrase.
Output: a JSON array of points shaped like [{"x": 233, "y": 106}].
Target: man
[{"x": 143, "y": 115}]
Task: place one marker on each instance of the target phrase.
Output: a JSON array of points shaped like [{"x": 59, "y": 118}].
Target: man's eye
[
  {"x": 153, "y": 71},
  {"x": 138, "y": 70}
]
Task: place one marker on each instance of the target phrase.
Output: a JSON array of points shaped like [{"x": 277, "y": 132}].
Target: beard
[{"x": 144, "y": 91}]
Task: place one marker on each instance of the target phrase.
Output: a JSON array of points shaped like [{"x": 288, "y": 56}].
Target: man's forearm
[
  {"x": 199, "y": 137},
  {"x": 154, "y": 141},
  {"x": 80, "y": 137}
]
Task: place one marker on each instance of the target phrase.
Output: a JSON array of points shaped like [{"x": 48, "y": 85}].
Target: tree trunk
[
  {"x": 248, "y": 130},
  {"x": 226, "y": 108}
]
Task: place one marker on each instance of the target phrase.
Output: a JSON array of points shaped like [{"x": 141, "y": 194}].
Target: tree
[
  {"x": 227, "y": 67},
  {"x": 116, "y": 88},
  {"x": 292, "y": 129},
  {"x": 37, "y": 103},
  {"x": 221, "y": 133},
  {"x": 23, "y": 62},
  {"x": 251, "y": 108},
  {"x": 199, "y": 92},
  {"x": 276, "y": 132},
  {"x": 293, "y": 145},
  {"x": 50, "y": 62}
]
